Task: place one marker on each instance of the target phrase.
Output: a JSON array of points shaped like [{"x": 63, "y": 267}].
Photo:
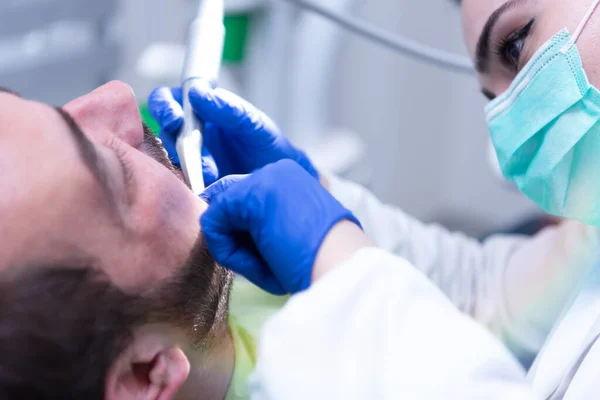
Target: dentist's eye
[{"x": 510, "y": 48}]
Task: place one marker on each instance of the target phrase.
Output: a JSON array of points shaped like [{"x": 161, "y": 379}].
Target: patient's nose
[{"x": 110, "y": 109}]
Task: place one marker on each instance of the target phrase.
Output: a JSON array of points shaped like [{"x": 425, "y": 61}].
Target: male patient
[{"x": 106, "y": 289}]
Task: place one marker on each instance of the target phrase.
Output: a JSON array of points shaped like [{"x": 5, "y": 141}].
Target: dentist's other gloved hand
[
  {"x": 238, "y": 138},
  {"x": 269, "y": 226}
]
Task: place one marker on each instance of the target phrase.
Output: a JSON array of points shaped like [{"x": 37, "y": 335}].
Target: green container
[
  {"x": 147, "y": 118},
  {"x": 236, "y": 34}
]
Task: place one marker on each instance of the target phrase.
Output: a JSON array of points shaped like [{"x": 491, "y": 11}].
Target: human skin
[
  {"x": 148, "y": 224},
  {"x": 549, "y": 16},
  {"x": 130, "y": 216}
]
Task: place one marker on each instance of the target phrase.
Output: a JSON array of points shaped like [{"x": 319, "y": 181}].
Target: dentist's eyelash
[{"x": 509, "y": 48}]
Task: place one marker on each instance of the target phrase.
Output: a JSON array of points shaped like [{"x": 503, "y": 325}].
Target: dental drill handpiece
[{"x": 202, "y": 63}]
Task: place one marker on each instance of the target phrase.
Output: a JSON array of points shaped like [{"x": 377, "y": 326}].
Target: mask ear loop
[{"x": 581, "y": 26}]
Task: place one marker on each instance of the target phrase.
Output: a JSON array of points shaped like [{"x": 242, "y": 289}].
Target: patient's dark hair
[
  {"x": 63, "y": 326},
  {"x": 60, "y": 331}
]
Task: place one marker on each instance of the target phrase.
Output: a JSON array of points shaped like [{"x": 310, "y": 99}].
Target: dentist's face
[{"x": 502, "y": 36}]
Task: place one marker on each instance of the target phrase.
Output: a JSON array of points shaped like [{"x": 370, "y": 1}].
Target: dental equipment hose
[
  {"x": 399, "y": 44},
  {"x": 202, "y": 63}
]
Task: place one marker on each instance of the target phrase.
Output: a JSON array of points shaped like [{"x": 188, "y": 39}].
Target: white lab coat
[{"x": 376, "y": 327}]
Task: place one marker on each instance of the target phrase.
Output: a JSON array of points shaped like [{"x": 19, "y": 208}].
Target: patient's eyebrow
[{"x": 88, "y": 153}]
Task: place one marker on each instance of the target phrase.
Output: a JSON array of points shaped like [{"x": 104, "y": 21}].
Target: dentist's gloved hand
[
  {"x": 165, "y": 107},
  {"x": 238, "y": 138},
  {"x": 269, "y": 226}
]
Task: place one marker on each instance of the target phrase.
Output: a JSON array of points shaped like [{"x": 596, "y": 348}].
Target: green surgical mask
[{"x": 546, "y": 130}]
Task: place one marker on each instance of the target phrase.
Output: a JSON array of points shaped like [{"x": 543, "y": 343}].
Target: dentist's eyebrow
[
  {"x": 6, "y": 90},
  {"x": 482, "y": 52}
]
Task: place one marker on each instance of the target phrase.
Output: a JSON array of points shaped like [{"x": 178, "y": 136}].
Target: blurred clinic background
[{"x": 414, "y": 134}]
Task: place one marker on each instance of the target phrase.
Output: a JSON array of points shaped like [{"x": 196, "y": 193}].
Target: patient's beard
[{"x": 196, "y": 299}]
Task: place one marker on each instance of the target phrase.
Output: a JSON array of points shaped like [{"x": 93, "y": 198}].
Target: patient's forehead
[
  {"x": 44, "y": 185},
  {"x": 34, "y": 144}
]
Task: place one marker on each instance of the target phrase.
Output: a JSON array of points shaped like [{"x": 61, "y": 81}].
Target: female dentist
[{"x": 539, "y": 296}]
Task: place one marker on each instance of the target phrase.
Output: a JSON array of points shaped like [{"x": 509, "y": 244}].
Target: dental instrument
[{"x": 202, "y": 63}]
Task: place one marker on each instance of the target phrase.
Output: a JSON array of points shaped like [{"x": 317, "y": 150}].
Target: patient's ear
[{"x": 151, "y": 368}]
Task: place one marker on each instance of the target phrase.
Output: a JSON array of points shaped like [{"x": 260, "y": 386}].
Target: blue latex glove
[
  {"x": 164, "y": 105},
  {"x": 238, "y": 138},
  {"x": 269, "y": 226}
]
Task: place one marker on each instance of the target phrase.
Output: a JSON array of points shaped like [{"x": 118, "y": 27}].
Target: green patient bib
[{"x": 249, "y": 308}]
